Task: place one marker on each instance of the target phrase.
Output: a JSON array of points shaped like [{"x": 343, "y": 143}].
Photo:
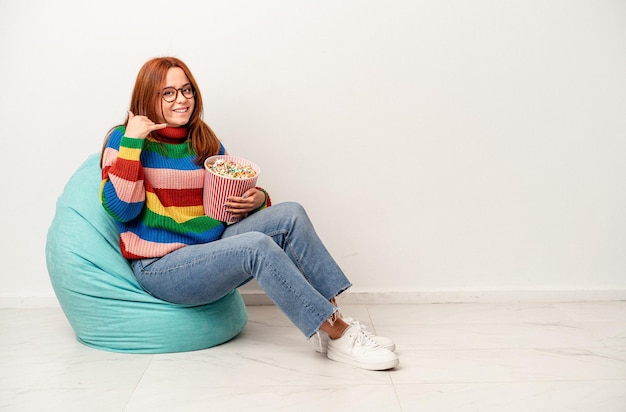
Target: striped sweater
[{"x": 154, "y": 193}]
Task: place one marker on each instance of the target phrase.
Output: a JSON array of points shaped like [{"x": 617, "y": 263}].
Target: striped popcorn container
[{"x": 224, "y": 178}]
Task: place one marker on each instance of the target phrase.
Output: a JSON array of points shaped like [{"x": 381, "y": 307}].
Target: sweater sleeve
[
  {"x": 268, "y": 200},
  {"x": 122, "y": 190}
]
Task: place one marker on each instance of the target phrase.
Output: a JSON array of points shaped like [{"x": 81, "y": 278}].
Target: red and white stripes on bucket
[{"x": 217, "y": 189}]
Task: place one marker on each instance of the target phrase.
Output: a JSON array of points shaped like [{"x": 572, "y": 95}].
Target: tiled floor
[{"x": 453, "y": 357}]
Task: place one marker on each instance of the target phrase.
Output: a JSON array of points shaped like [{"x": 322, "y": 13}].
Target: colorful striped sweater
[{"x": 154, "y": 193}]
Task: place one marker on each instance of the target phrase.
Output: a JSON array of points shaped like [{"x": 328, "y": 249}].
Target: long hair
[{"x": 150, "y": 80}]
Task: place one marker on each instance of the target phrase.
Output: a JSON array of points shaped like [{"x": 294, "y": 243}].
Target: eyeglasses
[{"x": 170, "y": 94}]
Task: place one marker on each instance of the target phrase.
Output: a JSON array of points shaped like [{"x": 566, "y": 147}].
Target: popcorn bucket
[{"x": 219, "y": 187}]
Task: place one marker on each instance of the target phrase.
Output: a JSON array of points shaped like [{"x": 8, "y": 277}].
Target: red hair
[{"x": 150, "y": 80}]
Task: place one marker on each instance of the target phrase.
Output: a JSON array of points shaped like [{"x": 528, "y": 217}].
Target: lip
[{"x": 181, "y": 110}]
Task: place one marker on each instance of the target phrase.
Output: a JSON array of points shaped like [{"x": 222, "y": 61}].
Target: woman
[{"x": 152, "y": 179}]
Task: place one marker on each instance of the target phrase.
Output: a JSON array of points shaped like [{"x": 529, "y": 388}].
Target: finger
[
  {"x": 234, "y": 205},
  {"x": 249, "y": 192},
  {"x": 159, "y": 126},
  {"x": 130, "y": 115},
  {"x": 235, "y": 200},
  {"x": 239, "y": 207},
  {"x": 238, "y": 211}
]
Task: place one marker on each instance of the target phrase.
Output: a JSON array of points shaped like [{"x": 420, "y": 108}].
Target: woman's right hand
[{"x": 139, "y": 126}]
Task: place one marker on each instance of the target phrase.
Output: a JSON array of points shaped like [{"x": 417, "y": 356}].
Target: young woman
[{"x": 152, "y": 185}]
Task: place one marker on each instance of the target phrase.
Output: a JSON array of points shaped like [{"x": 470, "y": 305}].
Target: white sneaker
[
  {"x": 355, "y": 347},
  {"x": 381, "y": 340},
  {"x": 320, "y": 339}
]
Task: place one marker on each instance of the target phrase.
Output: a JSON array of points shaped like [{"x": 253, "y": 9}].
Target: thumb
[{"x": 130, "y": 115}]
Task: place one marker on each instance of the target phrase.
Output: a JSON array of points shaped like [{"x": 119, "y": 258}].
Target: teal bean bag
[{"x": 100, "y": 297}]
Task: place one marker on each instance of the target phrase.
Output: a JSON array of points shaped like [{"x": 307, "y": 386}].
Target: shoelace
[
  {"x": 364, "y": 338},
  {"x": 358, "y": 324}
]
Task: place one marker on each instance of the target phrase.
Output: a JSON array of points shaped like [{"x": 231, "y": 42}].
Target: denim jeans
[{"x": 277, "y": 246}]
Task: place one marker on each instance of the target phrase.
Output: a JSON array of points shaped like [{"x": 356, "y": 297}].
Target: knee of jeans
[
  {"x": 294, "y": 209},
  {"x": 258, "y": 240}
]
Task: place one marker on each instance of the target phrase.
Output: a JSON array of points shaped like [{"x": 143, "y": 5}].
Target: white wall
[{"x": 438, "y": 145}]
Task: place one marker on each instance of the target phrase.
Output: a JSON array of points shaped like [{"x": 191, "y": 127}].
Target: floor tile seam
[
  {"x": 397, "y": 396},
  {"x": 137, "y": 385},
  {"x": 370, "y": 320},
  {"x": 395, "y": 389}
]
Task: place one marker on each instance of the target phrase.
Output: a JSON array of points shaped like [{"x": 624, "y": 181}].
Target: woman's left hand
[{"x": 249, "y": 201}]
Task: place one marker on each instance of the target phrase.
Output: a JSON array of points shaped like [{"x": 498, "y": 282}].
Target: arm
[{"x": 122, "y": 190}]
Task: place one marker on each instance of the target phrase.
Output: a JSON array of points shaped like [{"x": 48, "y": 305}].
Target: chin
[{"x": 177, "y": 123}]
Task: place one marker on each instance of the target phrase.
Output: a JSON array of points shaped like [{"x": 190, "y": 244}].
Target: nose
[{"x": 179, "y": 96}]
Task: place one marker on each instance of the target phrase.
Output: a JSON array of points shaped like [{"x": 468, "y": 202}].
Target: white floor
[{"x": 453, "y": 357}]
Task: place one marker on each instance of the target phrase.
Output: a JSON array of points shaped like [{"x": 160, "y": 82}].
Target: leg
[
  {"x": 291, "y": 229},
  {"x": 204, "y": 273}
]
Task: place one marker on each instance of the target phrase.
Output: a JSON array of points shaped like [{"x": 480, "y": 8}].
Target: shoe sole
[
  {"x": 321, "y": 345},
  {"x": 372, "y": 366}
]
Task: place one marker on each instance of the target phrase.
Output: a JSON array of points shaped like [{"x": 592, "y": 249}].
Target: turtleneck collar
[{"x": 171, "y": 134}]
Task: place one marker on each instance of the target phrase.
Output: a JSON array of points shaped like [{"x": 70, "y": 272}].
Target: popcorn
[{"x": 232, "y": 169}]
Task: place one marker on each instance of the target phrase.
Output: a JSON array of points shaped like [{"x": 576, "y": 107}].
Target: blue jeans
[{"x": 277, "y": 246}]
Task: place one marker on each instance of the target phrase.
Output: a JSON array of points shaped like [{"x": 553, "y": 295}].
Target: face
[{"x": 178, "y": 112}]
